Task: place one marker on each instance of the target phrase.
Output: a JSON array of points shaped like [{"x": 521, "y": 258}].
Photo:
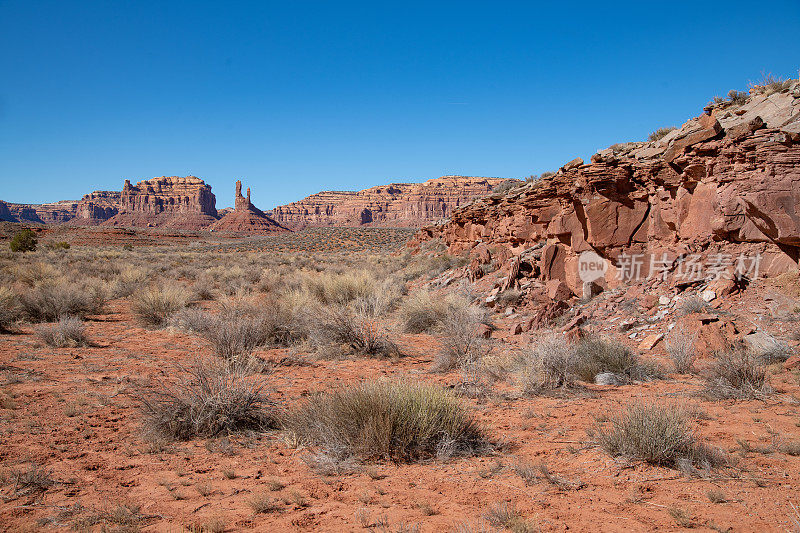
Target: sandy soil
[{"x": 73, "y": 411}]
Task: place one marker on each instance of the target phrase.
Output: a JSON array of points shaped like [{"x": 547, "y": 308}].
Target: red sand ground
[{"x": 71, "y": 410}]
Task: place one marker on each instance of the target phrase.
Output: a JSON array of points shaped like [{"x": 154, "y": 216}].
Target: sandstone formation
[
  {"x": 246, "y": 218},
  {"x": 171, "y": 202},
  {"x": 90, "y": 210},
  {"x": 397, "y": 204},
  {"x": 726, "y": 182}
]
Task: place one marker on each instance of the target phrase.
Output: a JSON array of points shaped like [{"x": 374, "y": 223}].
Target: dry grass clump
[
  {"x": 9, "y": 309},
  {"x": 598, "y": 355},
  {"x": 423, "y": 311},
  {"x": 503, "y": 515},
  {"x": 381, "y": 420},
  {"x": 128, "y": 281},
  {"x": 658, "y": 434},
  {"x": 330, "y": 288},
  {"x": 238, "y": 329},
  {"x": 360, "y": 333},
  {"x": 737, "y": 373},
  {"x": 680, "y": 348},
  {"x": 154, "y": 306},
  {"x": 33, "y": 480},
  {"x": 549, "y": 365},
  {"x": 48, "y": 301},
  {"x": 68, "y": 331},
  {"x": 553, "y": 363},
  {"x": 209, "y": 399}
]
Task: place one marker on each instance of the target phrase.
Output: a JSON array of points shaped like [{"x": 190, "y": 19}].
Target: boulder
[{"x": 558, "y": 290}]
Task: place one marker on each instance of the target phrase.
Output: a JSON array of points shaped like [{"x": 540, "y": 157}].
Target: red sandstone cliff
[
  {"x": 397, "y": 204},
  {"x": 727, "y": 182},
  {"x": 246, "y": 218},
  {"x": 92, "y": 209}
]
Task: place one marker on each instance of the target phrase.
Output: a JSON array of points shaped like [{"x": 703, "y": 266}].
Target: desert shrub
[
  {"x": 548, "y": 365},
  {"x": 35, "y": 272},
  {"x": 660, "y": 133},
  {"x": 737, "y": 373},
  {"x": 209, "y": 399},
  {"x": 381, "y": 420},
  {"x": 505, "y": 516},
  {"x": 504, "y": 186},
  {"x": 363, "y": 335},
  {"x": 340, "y": 289},
  {"x": 50, "y": 300},
  {"x": 382, "y": 299},
  {"x": 191, "y": 319},
  {"x": 657, "y": 434},
  {"x": 680, "y": 348},
  {"x": 57, "y": 245},
  {"x": 737, "y": 97},
  {"x": 9, "y": 309},
  {"x": 421, "y": 312},
  {"x": 508, "y": 297},
  {"x": 770, "y": 84},
  {"x": 598, "y": 355},
  {"x": 460, "y": 335},
  {"x": 237, "y": 332},
  {"x": 691, "y": 304},
  {"x": 554, "y": 363},
  {"x": 204, "y": 288},
  {"x": 68, "y": 331},
  {"x": 128, "y": 281},
  {"x": 154, "y": 306},
  {"x": 24, "y": 241}
]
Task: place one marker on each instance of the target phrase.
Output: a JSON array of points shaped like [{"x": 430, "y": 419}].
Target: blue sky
[{"x": 298, "y": 97}]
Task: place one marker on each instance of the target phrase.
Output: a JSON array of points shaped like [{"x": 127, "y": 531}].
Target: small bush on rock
[{"x": 660, "y": 133}]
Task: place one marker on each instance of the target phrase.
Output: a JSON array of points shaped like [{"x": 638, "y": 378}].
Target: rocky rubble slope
[
  {"x": 724, "y": 187},
  {"x": 397, "y": 204}
]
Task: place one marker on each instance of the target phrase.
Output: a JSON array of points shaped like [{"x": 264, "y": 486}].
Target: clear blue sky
[{"x": 297, "y": 97}]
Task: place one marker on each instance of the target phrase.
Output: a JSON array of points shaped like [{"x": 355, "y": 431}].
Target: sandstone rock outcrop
[
  {"x": 171, "y": 202},
  {"x": 246, "y": 218},
  {"x": 92, "y": 209},
  {"x": 727, "y": 182},
  {"x": 396, "y": 204}
]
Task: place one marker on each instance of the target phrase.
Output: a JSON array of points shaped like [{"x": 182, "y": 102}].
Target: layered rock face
[
  {"x": 397, "y": 204},
  {"x": 172, "y": 202},
  {"x": 726, "y": 183},
  {"x": 92, "y": 209},
  {"x": 246, "y": 218}
]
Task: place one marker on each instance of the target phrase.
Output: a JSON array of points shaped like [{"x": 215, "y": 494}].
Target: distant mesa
[
  {"x": 396, "y": 204},
  {"x": 246, "y": 218},
  {"x": 171, "y": 202},
  {"x": 187, "y": 203}
]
